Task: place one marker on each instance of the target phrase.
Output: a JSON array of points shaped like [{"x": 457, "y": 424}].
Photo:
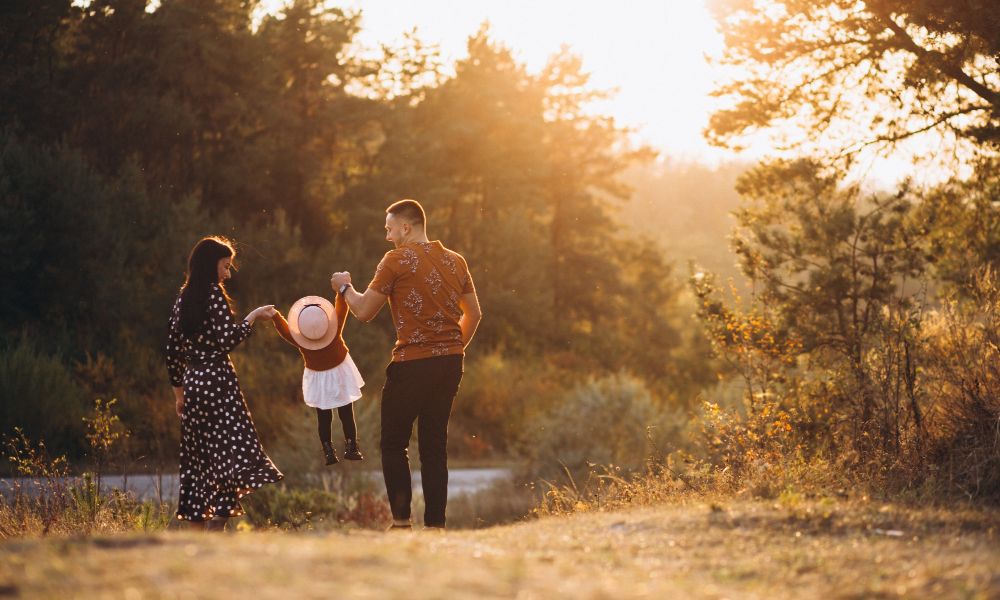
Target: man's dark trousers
[{"x": 421, "y": 390}]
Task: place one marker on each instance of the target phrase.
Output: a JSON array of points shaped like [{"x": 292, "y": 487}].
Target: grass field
[{"x": 749, "y": 549}]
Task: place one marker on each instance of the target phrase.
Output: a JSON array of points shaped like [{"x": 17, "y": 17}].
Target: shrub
[
  {"x": 45, "y": 501},
  {"x": 38, "y": 394},
  {"x": 499, "y": 394},
  {"x": 608, "y": 421},
  {"x": 328, "y": 502},
  {"x": 962, "y": 373}
]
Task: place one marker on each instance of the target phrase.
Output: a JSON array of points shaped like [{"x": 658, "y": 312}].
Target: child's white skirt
[{"x": 334, "y": 387}]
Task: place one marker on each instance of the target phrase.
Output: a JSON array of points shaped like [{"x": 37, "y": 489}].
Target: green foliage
[
  {"x": 46, "y": 502},
  {"x": 52, "y": 235},
  {"x": 836, "y": 270},
  {"x": 28, "y": 459},
  {"x": 85, "y": 499},
  {"x": 609, "y": 421},
  {"x": 38, "y": 394},
  {"x": 127, "y": 134},
  {"x": 961, "y": 221},
  {"x": 843, "y": 367},
  {"x": 499, "y": 395},
  {"x": 310, "y": 508},
  {"x": 824, "y": 249},
  {"x": 521, "y": 179},
  {"x": 104, "y": 432},
  {"x": 82, "y": 253},
  {"x": 103, "y": 427},
  {"x": 245, "y": 120},
  {"x": 46, "y": 474}
]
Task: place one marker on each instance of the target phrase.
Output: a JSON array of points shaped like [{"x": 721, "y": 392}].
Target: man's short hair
[{"x": 408, "y": 210}]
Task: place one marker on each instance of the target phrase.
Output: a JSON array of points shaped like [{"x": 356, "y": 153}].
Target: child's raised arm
[
  {"x": 281, "y": 326},
  {"x": 340, "y": 309}
]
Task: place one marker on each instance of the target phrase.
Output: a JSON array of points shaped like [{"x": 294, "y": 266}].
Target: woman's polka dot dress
[{"x": 221, "y": 456}]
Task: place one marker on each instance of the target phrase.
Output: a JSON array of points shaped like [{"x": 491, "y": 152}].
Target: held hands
[
  {"x": 338, "y": 279},
  {"x": 262, "y": 312}
]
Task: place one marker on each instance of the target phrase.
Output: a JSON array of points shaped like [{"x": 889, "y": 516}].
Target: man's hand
[
  {"x": 338, "y": 279},
  {"x": 472, "y": 314}
]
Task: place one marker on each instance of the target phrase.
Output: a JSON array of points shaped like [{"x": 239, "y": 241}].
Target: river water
[{"x": 152, "y": 487}]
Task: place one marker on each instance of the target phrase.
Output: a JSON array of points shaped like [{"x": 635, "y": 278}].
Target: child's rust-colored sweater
[{"x": 324, "y": 358}]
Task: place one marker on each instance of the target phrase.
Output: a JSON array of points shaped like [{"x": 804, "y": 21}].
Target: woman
[{"x": 221, "y": 456}]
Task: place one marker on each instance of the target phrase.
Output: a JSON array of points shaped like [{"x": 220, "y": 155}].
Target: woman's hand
[
  {"x": 179, "y": 401},
  {"x": 263, "y": 312}
]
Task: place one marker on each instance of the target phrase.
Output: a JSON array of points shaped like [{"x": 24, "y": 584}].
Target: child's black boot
[
  {"x": 351, "y": 450},
  {"x": 330, "y": 453}
]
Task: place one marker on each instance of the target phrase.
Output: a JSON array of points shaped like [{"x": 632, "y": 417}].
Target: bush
[
  {"x": 45, "y": 501},
  {"x": 39, "y": 395},
  {"x": 498, "y": 396},
  {"x": 328, "y": 502},
  {"x": 608, "y": 421},
  {"x": 962, "y": 374}
]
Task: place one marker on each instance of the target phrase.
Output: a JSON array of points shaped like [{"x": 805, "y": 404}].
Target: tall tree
[
  {"x": 842, "y": 74},
  {"x": 314, "y": 126},
  {"x": 523, "y": 180},
  {"x": 839, "y": 270},
  {"x": 30, "y": 35}
]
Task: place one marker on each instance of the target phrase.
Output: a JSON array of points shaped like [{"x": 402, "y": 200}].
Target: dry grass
[
  {"x": 57, "y": 506},
  {"x": 820, "y": 549},
  {"x": 114, "y": 513}
]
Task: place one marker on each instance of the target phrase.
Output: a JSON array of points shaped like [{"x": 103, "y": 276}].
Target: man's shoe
[
  {"x": 330, "y": 453},
  {"x": 400, "y": 527},
  {"x": 351, "y": 450}
]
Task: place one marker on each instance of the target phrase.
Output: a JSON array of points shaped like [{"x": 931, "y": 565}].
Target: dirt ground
[{"x": 696, "y": 550}]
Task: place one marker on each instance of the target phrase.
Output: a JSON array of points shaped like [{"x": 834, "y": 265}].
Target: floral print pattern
[{"x": 425, "y": 283}]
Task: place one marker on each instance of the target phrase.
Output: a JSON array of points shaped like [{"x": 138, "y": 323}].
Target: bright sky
[{"x": 652, "y": 51}]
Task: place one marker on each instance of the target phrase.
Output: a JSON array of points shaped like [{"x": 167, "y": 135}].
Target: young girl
[{"x": 330, "y": 379}]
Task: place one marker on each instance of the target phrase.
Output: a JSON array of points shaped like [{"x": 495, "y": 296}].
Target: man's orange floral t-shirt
[{"x": 424, "y": 282}]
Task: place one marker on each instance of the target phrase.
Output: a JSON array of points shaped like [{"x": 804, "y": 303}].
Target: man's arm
[
  {"x": 471, "y": 316},
  {"x": 364, "y": 306}
]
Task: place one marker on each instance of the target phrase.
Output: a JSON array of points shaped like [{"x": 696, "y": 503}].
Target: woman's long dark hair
[{"x": 202, "y": 272}]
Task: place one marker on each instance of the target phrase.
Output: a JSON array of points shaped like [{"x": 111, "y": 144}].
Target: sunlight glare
[{"x": 652, "y": 52}]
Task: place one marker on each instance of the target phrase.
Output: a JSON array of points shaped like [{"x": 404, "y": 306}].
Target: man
[{"x": 435, "y": 312}]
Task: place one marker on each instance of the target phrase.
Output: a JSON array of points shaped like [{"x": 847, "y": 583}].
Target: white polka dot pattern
[{"x": 221, "y": 458}]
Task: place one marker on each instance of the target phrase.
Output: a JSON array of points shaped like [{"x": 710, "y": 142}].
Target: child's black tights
[{"x": 324, "y": 416}]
